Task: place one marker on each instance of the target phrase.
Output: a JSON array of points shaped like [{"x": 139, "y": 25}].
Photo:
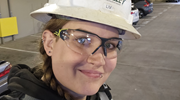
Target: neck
[
  {"x": 82, "y": 98},
  {"x": 74, "y": 95}
]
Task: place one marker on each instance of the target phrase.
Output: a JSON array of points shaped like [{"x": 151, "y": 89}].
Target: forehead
[{"x": 99, "y": 29}]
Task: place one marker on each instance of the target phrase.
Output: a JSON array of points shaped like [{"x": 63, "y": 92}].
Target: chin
[
  {"x": 89, "y": 88},
  {"x": 89, "y": 91}
]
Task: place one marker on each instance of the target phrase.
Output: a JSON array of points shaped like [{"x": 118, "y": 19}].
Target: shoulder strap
[
  {"x": 14, "y": 95},
  {"x": 104, "y": 92},
  {"x": 27, "y": 97},
  {"x": 103, "y": 96}
]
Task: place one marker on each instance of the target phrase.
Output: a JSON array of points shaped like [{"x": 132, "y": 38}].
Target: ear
[{"x": 49, "y": 40}]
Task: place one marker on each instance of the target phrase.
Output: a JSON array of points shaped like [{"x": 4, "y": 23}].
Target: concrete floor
[{"x": 147, "y": 69}]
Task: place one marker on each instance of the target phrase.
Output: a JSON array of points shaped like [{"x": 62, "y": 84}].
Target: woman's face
[{"x": 79, "y": 74}]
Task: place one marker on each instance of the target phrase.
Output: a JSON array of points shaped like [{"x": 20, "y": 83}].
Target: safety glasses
[{"x": 87, "y": 43}]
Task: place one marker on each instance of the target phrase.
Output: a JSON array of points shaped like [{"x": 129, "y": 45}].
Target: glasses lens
[
  {"x": 85, "y": 43},
  {"x": 113, "y": 47},
  {"x": 81, "y": 42}
]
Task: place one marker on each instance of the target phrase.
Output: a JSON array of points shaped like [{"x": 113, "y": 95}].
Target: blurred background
[{"x": 147, "y": 68}]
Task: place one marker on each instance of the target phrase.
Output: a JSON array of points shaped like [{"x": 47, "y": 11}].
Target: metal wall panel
[
  {"x": 21, "y": 9},
  {"x": 3, "y": 9}
]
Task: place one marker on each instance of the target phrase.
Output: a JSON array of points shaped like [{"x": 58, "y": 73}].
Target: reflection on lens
[{"x": 82, "y": 42}]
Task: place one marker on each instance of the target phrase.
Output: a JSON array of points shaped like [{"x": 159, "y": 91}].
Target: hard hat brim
[{"x": 89, "y": 15}]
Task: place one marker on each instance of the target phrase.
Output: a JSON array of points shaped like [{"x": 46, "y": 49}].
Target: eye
[
  {"x": 110, "y": 46},
  {"x": 84, "y": 41}
]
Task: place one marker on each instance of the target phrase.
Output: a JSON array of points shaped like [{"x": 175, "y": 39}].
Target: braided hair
[{"x": 48, "y": 76}]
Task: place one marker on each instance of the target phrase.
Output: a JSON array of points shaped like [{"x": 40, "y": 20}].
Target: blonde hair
[{"x": 48, "y": 76}]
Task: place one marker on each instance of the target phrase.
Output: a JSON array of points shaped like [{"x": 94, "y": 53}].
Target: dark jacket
[{"x": 24, "y": 84}]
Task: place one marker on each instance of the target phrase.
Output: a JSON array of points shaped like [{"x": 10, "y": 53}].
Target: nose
[{"x": 97, "y": 59}]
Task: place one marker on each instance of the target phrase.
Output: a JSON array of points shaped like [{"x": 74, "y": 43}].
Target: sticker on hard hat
[
  {"x": 117, "y": 1},
  {"x": 109, "y": 7}
]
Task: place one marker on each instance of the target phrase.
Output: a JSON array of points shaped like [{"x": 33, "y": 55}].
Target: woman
[{"x": 80, "y": 44}]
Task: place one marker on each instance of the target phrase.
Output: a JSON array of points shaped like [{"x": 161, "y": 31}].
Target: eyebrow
[{"x": 82, "y": 30}]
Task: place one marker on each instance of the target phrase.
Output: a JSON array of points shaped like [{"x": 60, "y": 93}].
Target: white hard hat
[{"x": 115, "y": 13}]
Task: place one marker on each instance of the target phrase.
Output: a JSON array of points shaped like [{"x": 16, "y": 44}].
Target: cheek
[
  {"x": 110, "y": 65},
  {"x": 64, "y": 55},
  {"x": 64, "y": 61}
]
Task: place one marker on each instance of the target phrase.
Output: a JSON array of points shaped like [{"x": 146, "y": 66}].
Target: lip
[{"x": 91, "y": 73}]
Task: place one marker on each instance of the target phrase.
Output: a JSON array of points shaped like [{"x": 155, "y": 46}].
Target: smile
[{"x": 91, "y": 73}]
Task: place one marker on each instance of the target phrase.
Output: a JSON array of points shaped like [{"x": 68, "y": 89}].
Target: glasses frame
[{"x": 103, "y": 40}]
